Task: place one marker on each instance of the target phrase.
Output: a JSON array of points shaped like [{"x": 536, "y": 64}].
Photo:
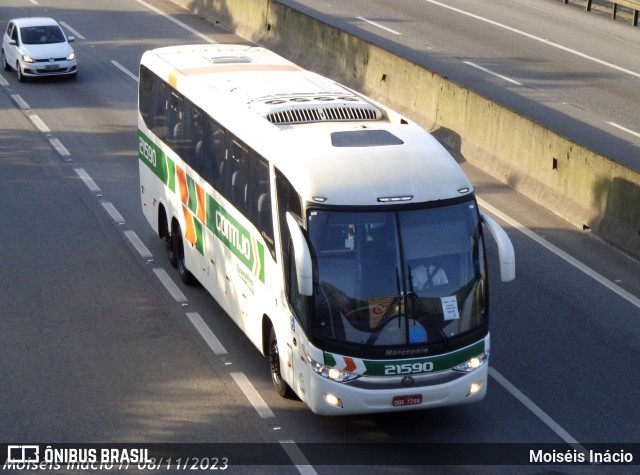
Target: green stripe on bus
[
  {"x": 193, "y": 199},
  {"x": 153, "y": 157},
  {"x": 235, "y": 237},
  {"x": 435, "y": 363},
  {"x": 199, "y": 238}
]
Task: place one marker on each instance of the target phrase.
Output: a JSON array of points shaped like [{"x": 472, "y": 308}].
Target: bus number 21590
[{"x": 408, "y": 368}]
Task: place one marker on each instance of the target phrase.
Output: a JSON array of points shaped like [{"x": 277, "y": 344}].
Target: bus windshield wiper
[{"x": 388, "y": 314}]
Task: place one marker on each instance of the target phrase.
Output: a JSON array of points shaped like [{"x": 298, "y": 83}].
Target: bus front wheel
[{"x": 281, "y": 387}]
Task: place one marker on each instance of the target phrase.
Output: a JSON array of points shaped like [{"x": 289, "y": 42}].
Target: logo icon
[{"x": 23, "y": 454}]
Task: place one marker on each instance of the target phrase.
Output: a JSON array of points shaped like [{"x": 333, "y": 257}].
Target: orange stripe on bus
[
  {"x": 173, "y": 78},
  {"x": 351, "y": 365},
  {"x": 190, "y": 232},
  {"x": 201, "y": 201},
  {"x": 182, "y": 181}
]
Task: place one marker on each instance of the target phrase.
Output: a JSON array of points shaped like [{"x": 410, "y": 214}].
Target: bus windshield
[{"x": 398, "y": 278}]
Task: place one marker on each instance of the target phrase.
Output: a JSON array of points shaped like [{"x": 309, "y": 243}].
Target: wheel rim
[{"x": 274, "y": 361}]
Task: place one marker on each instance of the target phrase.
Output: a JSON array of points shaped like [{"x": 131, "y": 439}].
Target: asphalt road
[
  {"x": 96, "y": 339},
  {"x": 575, "y": 72}
]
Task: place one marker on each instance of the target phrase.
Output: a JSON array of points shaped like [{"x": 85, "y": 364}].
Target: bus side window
[
  {"x": 236, "y": 183},
  {"x": 154, "y": 97},
  {"x": 175, "y": 125},
  {"x": 259, "y": 199},
  {"x": 212, "y": 149},
  {"x": 189, "y": 135}
]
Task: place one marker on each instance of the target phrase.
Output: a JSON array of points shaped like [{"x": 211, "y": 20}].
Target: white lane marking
[
  {"x": 540, "y": 414},
  {"x": 113, "y": 212},
  {"x": 3, "y": 81},
  {"x": 207, "y": 334},
  {"x": 378, "y": 25},
  {"x": 493, "y": 73},
  {"x": 170, "y": 285},
  {"x": 87, "y": 180},
  {"x": 624, "y": 129},
  {"x": 138, "y": 244},
  {"x": 37, "y": 121},
  {"x": 537, "y": 38},
  {"x": 20, "y": 102},
  {"x": 297, "y": 457},
  {"x": 75, "y": 33},
  {"x": 176, "y": 21},
  {"x": 252, "y": 395},
  {"x": 61, "y": 149},
  {"x": 629, "y": 297},
  {"x": 34, "y": 2},
  {"x": 124, "y": 70}
]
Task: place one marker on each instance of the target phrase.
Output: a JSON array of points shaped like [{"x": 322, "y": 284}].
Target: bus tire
[
  {"x": 281, "y": 387},
  {"x": 168, "y": 241},
  {"x": 178, "y": 249}
]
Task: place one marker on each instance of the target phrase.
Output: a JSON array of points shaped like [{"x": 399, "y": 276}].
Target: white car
[{"x": 37, "y": 47}]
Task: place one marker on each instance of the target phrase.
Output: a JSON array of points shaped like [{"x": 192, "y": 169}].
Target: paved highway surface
[
  {"x": 97, "y": 342},
  {"x": 575, "y": 72}
]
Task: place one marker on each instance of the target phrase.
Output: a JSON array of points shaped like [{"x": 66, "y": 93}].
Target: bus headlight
[
  {"x": 473, "y": 363},
  {"x": 334, "y": 374},
  {"x": 474, "y": 388},
  {"x": 333, "y": 400}
]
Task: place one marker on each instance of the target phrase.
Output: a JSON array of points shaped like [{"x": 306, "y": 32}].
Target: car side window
[{"x": 14, "y": 34}]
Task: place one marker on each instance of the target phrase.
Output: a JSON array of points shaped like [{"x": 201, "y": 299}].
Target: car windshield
[
  {"x": 38, "y": 35},
  {"x": 398, "y": 278}
]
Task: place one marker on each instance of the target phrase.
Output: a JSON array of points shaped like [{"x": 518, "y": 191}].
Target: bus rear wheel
[
  {"x": 178, "y": 250},
  {"x": 281, "y": 387},
  {"x": 165, "y": 235}
]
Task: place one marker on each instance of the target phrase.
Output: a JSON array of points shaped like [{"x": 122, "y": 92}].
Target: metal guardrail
[{"x": 633, "y": 5}]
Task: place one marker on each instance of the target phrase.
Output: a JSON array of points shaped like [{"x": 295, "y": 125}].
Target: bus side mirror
[
  {"x": 506, "y": 253},
  {"x": 302, "y": 257}
]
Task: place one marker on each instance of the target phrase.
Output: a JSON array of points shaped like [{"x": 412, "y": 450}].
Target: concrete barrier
[{"x": 587, "y": 189}]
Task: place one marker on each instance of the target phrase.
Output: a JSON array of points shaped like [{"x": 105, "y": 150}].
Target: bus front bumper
[{"x": 328, "y": 397}]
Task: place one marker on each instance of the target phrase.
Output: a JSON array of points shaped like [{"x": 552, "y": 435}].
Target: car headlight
[
  {"x": 473, "y": 363},
  {"x": 333, "y": 374},
  {"x": 71, "y": 57},
  {"x": 28, "y": 59}
]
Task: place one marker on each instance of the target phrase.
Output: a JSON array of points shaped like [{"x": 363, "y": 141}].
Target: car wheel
[
  {"x": 21, "y": 77},
  {"x": 178, "y": 249},
  {"x": 281, "y": 387},
  {"x": 5, "y": 65}
]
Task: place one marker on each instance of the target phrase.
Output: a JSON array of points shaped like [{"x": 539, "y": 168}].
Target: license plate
[
  {"x": 51, "y": 67},
  {"x": 407, "y": 400}
]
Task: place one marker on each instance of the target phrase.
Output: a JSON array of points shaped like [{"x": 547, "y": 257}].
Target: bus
[{"x": 340, "y": 236}]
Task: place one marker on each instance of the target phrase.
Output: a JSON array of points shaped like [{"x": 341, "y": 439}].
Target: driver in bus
[{"x": 425, "y": 276}]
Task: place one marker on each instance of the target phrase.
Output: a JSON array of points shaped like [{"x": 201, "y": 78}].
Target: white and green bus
[{"x": 341, "y": 237}]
